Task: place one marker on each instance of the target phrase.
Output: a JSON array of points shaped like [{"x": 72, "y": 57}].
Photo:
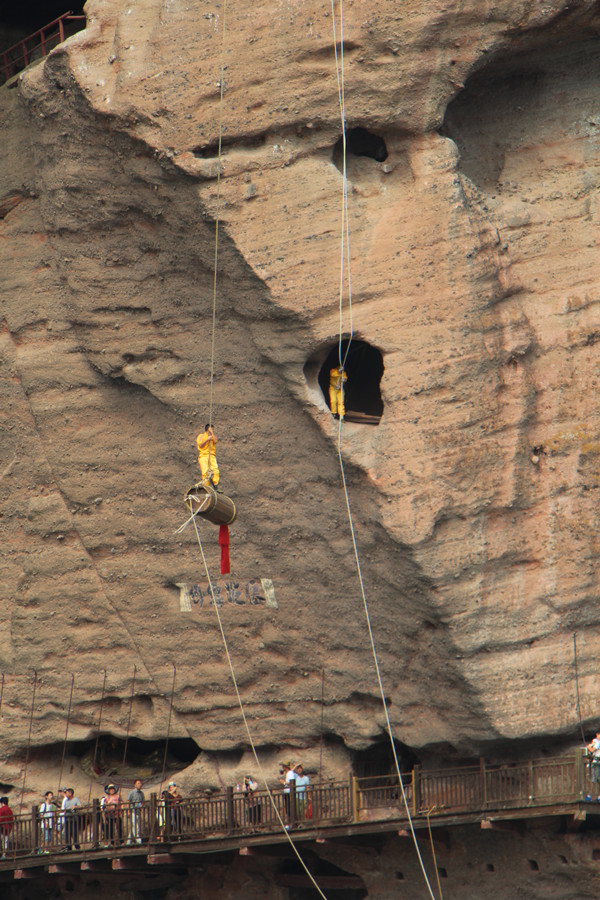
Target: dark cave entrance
[
  {"x": 359, "y": 142},
  {"x": 377, "y": 760},
  {"x": 511, "y": 103},
  {"x": 20, "y": 21},
  {"x": 364, "y": 368},
  {"x": 30, "y": 17},
  {"x": 143, "y": 758}
]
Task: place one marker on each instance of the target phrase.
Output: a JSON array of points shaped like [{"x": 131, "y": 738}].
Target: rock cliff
[{"x": 473, "y": 212}]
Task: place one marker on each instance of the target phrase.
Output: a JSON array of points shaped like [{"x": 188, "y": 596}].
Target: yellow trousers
[
  {"x": 336, "y": 401},
  {"x": 208, "y": 467}
]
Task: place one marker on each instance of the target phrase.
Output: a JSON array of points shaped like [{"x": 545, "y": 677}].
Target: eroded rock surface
[{"x": 473, "y": 249}]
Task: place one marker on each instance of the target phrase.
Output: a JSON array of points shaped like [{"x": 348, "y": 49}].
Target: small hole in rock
[{"x": 359, "y": 142}]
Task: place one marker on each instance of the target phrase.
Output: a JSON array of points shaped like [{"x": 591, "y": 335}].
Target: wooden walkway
[{"x": 182, "y": 835}]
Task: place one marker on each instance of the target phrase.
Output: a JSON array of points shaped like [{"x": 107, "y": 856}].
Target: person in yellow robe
[
  {"x": 337, "y": 377},
  {"x": 207, "y": 457}
]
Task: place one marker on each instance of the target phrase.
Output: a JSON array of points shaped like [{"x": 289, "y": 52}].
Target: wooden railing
[
  {"x": 468, "y": 792},
  {"x": 540, "y": 782},
  {"x": 155, "y": 822},
  {"x": 38, "y": 45}
]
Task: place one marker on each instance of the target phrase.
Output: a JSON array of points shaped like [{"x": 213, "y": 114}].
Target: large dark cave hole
[
  {"x": 20, "y": 20},
  {"x": 378, "y": 761},
  {"x": 143, "y": 759},
  {"x": 535, "y": 97},
  {"x": 30, "y": 17},
  {"x": 364, "y": 368},
  {"x": 359, "y": 142}
]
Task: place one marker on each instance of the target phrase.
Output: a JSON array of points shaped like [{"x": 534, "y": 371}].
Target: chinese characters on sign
[{"x": 256, "y": 592}]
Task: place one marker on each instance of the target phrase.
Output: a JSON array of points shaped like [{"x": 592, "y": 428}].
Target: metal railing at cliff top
[
  {"x": 38, "y": 45},
  {"x": 550, "y": 786}
]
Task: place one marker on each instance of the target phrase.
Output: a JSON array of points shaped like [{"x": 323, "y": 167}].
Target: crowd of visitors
[{"x": 63, "y": 822}]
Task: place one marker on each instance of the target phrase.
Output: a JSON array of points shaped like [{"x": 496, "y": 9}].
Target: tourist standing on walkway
[
  {"x": 593, "y": 756},
  {"x": 6, "y": 824},
  {"x": 175, "y": 801},
  {"x": 302, "y": 782},
  {"x": 111, "y": 814},
  {"x": 47, "y": 811},
  {"x": 135, "y": 799},
  {"x": 287, "y": 777},
  {"x": 70, "y": 805},
  {"x": 253, "y": 802}
]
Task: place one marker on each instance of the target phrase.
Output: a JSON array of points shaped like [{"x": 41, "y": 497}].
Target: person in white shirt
[
  {"x": 287, "y": 776},
  {"x": 47, "y": 812},
  {"x": 135, "y": 799},
  {"x": 593, "y": 755},
  {"x": 70, "y": 804},
  {"x": 302, "y": 782}
]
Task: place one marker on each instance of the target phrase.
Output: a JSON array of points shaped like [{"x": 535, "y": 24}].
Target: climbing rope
[
  {"x": 162, "y": 807},
  {"x": 217, "y": 216},
  {"x": 28, "y": 744},
  {"x": 577, "y": 688},
  {"x": 97, "y": 738},
  {"x": 164, "y": 766},
  {"x": 128, "y": 723},
  {"x": 64, "y": 749},
  {"x": 245, "y": 720},
  {"x": 198, "y": 511},
  {"x": 345, "y": 226},
  {"x": 435, "y": 865},
  {"x": 345, "y": 246}
]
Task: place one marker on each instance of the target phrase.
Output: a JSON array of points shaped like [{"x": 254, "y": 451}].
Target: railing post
[
  {"x": 229, "y": 814},
  {"x": 354, "y": 797},
  {"x": 416, "y": 786},
  {"x": 152, "y": 817},
  {"x": 35, "y": 830},
  {"x": 167, "y": 815},
  {"x": 484, "y": 796},
  {"x": 95, "y": 822},
  {"x": 24, "y": 48},
  {"x": 579, "y": 773},
  {"x": 61, "y": 30},
  {"x": 532, "y": 786},
  {"x": 292, "y": 802}
]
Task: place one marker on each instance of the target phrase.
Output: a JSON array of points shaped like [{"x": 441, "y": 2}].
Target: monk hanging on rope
[
  {"x": 337, "y": 377},
  {"x": 207, "y": 458}
]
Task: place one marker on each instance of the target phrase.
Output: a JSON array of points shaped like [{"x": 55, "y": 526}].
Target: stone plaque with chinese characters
[{"x": 255, "y": 592}]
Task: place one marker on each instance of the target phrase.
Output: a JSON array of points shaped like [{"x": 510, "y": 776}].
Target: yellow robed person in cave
[
  {"x": 337, "y": 377},
  {"x": 207, "y": 457}
]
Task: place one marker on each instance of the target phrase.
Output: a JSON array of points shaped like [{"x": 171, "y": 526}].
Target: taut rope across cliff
[{"x": 345, "y": 264}]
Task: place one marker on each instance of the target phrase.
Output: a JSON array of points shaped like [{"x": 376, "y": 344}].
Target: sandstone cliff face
[{"x": 474, "y": 256}]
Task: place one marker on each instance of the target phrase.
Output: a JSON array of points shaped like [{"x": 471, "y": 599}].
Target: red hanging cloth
[{"x": 224, "y": 542}]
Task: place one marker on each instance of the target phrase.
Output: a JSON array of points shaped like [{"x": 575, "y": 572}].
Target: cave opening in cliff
[
  {"x": 362, "y": 390},
  {"x": 143, "y": 758},
  {"x": 19, "y": 21},
  {"x": 359, "y": 142},
  {"x": 377, "y": 761},
  {"x": 510, "y": 105}
]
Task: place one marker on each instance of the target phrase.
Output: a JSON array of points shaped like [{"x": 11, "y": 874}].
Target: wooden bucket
[{"x": 204, "y": 501}]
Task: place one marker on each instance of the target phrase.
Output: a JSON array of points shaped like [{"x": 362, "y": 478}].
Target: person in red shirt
[{"x": 6, "y": 824}]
